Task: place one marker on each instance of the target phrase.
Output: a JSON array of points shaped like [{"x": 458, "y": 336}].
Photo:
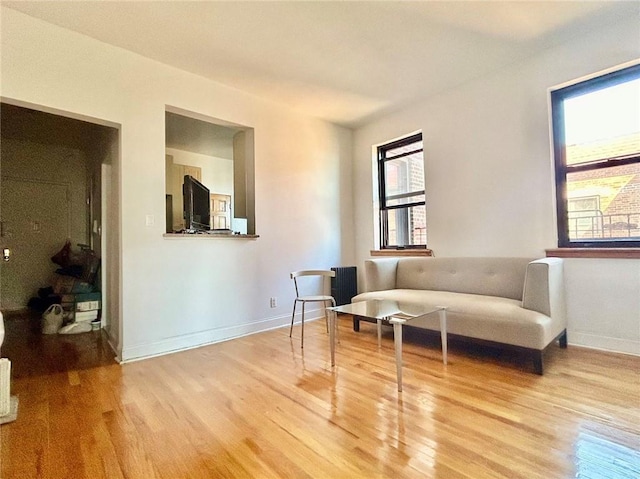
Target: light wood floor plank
[{"x": 259, "y": 406}]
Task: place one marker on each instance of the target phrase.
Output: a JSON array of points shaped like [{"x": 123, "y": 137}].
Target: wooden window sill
[
  {"x": 610, "y": 253},
  {"x": 401, "y": 252}
]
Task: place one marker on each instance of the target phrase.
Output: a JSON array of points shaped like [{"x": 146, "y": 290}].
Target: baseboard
[
  {"x": 616, "y": 345},
  {"x": 113, "y": 345},
  {"x": 210, "y": 336}
]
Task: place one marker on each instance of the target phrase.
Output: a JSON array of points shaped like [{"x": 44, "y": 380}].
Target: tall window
[
  {"x": 403, "y": 219},
  {"x": 596, "y": 134}
]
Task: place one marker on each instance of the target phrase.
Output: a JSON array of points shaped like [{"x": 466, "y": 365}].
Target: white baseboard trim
[
  {"x": 113, "y": 346},
  {"x": 615, "y": 345},
  {"x": 211, "y": 336}
]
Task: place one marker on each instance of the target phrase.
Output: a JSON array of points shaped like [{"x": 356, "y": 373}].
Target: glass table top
[{"x": 385, "y": 309}]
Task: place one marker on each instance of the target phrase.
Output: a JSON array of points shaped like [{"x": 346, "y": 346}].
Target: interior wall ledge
[{"x": 607, "y": 253}]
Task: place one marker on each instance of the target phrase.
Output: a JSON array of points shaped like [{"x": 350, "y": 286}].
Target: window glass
[
  {"x": 603, "y": 124},
  {"x": 407, "y": 226},
  {"x": 404, "y": 175},
  {"x": 401, "y": 150},
  {"x": 402, "y": 195},
  {"x": 604, "y": 203},
  {"x": 596, "y": 133}
]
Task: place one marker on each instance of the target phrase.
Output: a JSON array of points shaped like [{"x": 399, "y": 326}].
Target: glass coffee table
[{"x": 396, "y": 313}]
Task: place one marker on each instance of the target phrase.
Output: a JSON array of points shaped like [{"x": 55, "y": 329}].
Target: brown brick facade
[{"x": 617, "y": 192}]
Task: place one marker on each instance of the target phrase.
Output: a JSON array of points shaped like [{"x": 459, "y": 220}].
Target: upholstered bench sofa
[{"x": 512, "y": 302}]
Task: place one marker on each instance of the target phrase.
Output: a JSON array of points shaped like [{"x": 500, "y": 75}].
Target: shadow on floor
[{"x": 34, "y": 354}]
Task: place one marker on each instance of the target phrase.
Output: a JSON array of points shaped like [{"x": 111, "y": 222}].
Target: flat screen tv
[{"x": 196, "y": 204}]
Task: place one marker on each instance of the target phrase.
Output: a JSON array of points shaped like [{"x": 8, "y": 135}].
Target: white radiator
[{"x": 5, "y": 387}]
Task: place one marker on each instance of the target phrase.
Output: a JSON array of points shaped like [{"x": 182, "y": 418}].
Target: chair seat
[{"x": 314, "y": 298}]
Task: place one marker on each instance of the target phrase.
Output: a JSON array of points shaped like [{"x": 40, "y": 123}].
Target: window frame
[
  {"x": 607, "y": 80},
  {"x": 383, "y": 216}
]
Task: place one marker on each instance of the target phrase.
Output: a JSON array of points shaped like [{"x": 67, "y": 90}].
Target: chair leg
[
  {"x": 326, "y": 317},
  {"x": 293, "y": 316},
  {"x": 333, "y": 303},
  {"x": 302, "y": 329}
]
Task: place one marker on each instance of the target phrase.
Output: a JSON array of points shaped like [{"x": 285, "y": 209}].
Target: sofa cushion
[
  {"x": 485, "y": 276},
  {"x": 485, "y": 317}
]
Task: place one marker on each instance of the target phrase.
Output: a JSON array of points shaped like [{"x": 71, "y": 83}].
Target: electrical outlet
[{"x": 273, "y": 302}]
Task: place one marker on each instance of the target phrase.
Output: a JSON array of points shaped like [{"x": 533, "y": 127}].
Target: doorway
[
  {"x": 58, "y": 173},
  {"x": 220, "y": 212}
]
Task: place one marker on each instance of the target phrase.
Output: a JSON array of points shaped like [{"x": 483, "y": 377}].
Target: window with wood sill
[
  {"x": 596, "y": 136},
  {"x": 401, "y": 195}
]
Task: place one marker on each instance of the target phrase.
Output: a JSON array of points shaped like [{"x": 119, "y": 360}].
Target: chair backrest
[{"x": 311, "y": 272}]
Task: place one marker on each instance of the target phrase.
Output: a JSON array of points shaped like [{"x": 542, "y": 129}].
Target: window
[
  {"x": 596, "y": 135},
  {"x": 218, "y": 154},
  {"x": 403, "y": 219}
]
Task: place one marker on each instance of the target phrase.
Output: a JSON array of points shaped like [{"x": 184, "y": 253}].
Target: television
[{"x": 196, "y": 205}]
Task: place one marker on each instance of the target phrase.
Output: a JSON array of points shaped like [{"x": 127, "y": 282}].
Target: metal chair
[{"x": 309, "y": 299}]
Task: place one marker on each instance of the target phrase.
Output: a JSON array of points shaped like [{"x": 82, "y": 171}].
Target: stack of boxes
[
  {"x": 87, "y": 307},
  {"x": 76, "y": 286},
  {"x": 82, "y": 307}
]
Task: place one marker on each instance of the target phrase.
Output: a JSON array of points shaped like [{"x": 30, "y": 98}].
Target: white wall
[
  {"x": 489, "y": 178},
  {"x": 183, "y": 292}
]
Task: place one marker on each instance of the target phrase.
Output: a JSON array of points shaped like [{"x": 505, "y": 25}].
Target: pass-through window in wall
[
  {"x": 218, "y": 159},
  {"x": 596, "y": 135},
  {"x": 403, "y": 219}
]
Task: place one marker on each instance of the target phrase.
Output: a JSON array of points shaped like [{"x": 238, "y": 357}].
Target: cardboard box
[
  {"x": 88, "y": 306},
  {"x": 82, "y": 316},
  {"x": 95, "y": 296},
  {"x": 63, "y": 284}
]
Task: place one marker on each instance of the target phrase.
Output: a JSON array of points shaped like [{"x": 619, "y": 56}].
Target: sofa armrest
[
  {"x": 544, "y": 289},
  {"x": 380, "y": 274}
]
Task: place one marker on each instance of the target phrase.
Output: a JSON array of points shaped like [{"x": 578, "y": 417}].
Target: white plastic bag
[
  {"x": 52, "y": 319},
  {"x": 75, "y": 328}
]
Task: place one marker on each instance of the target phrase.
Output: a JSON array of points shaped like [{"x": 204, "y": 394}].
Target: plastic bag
[
  {"x": 75, "y": 328},
  {"x": 52, "y": 319},
  {"x": 63, "y": 257}
]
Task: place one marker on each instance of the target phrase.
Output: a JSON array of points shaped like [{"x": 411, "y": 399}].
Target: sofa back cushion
[{"x": 502, "y": 277}]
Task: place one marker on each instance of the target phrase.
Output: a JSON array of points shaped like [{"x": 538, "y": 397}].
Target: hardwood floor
[
  {"x": 259, "y": 406},
  {"x": 36, "y": 354}
]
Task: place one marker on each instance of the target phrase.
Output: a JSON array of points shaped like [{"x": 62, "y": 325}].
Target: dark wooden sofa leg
[
  {"x": 537, "y": 355},
  {"x": 356, "y": 323},
  {"x": 537, "y": 362},
  {"x": 562, "y": 340}
]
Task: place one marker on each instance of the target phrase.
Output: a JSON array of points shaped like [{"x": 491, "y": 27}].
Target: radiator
[
  {"x": 5, "y": 387},
  {"x": 345, "y": 284}
]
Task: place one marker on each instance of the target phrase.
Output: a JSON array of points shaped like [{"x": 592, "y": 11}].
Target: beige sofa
[{"x": 513, "y": 302}]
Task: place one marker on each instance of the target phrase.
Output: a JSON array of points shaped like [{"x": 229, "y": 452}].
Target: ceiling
[{"x": 346, "y": 62}]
